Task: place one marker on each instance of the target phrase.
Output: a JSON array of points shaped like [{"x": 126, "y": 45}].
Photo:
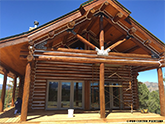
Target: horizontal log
[
  {"x": 63, "y": 63},
  {"x": 38, "y": 102},
  {"x": 37, "y": 105},
  {"x": 76, "y": 72},
  {"x": 35, "y": 87},
  {"x": 94, "y": 66},
  {"x": 77, "y": 78},
  {"x": 98, "y": 60},
  {"x": 43, "y": 91},
  {"x": 94, "y": 52},
  {"x": 53, "y": 69},
  {"x": 38, "y": 108},
  {"x": 85, "y": 55}
]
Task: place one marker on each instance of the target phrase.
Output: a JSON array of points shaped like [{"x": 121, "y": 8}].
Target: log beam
[
  {"x": 111, "y": 53},
  {"x": 116, "y": 44},
  {"x": 104, "y": 5},
  {"x": 90, "y": 13},
  {"x": 26, "y": 91},
  {"x": 99, "y": 60},
  {"x": 2, "y": 100},
  {"x": 14, "y": 87},
  {"x": 118, "y": 16},
  {"x": 102, "y": 95},
  {"x": 85, "y": 41},
  {"x": 161, "y": 91},
  {"x": 101, "y": 32}
]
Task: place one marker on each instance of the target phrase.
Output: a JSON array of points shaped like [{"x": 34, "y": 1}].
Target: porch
[{"x": 80, "y": 116}]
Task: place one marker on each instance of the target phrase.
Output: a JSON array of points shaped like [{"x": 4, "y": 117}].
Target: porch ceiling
[{"x": 10, "y": 59}]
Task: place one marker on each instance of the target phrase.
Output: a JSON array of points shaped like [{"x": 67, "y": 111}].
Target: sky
[{"x": 16, "y": 16}]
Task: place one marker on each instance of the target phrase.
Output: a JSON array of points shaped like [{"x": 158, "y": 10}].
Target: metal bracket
[
  {"x": 102, "y": 52},
  {"x": 129, "y": 36},
  {"x": 102, "y": 14},
  {"x": 153, "y": 55},
  {"x": 72, "y": 31}
]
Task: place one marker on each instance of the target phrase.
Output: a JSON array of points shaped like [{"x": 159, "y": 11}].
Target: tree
[
  {"x": 148, "y": 100},
  {"x": 154, "y": 102},
  {"x": 143, "y": 95}
]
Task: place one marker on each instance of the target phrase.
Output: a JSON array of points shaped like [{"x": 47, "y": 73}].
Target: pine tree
[{"x": 143, "y": 95}]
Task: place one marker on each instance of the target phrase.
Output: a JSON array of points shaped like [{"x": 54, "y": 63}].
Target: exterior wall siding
[{"x": 47, "y": 70}]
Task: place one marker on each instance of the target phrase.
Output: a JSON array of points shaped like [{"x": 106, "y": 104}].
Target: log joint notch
[{"x": 30, "y": 57}]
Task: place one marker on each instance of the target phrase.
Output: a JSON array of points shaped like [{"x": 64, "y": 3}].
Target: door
[{"x": 64, "y": 95}]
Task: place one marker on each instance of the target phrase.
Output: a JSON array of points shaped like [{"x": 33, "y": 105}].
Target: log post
[
  {"x": 101, "y": 84},
  {"x": 2, "y": 100},
  {"x": 26, "y": 89},
  {"x": 87, "y": 95},
  {"x": 20, "y": 92},
  {"x": 102, "y": 95},
  {"x": 14, "y": 87},
  {"x": 161, "y": 91}
]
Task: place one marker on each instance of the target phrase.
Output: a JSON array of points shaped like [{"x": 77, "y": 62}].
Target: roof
[
  {"x": 59, "y": 26},
  {"x": 83, "y": 4}
]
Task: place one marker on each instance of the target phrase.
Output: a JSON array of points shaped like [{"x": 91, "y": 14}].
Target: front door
[{"x": 64, "y": 95}]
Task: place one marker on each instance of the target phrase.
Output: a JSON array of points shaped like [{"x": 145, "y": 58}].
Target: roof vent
[{"x": 36, "y": 23}]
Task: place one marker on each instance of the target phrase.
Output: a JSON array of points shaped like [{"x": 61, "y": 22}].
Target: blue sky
[{"x": 16, "y": 16}]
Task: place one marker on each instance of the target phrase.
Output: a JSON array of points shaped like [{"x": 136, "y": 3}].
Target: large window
[{"x": 64, "y": 94}]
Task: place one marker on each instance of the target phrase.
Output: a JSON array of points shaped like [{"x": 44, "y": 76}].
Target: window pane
[
  {"x": 77, "y": 95},
  {"x": 65, "y": 100},
  {"x": 52, "y": 95},
  {"x": 95, "y": 95}
]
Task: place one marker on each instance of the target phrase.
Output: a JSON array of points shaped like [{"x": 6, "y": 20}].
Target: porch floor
[{"x": 44, "y": 117}]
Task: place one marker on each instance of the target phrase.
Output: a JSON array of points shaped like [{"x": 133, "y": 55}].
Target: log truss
[{"x": 85, "y": 19}]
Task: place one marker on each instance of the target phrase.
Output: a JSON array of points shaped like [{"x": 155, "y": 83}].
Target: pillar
[
  {"x": 26, "y": 91},
  {"x": 2, "y": 100},
  {"x": 101, "y": 84},
  {"x": 21, "y": 82},
  {"x": 14, "y": 87},
  {"x": 102, "y": 95},
  {"x": 87, "y": 95},
  {"x": 161, "y": 91}
]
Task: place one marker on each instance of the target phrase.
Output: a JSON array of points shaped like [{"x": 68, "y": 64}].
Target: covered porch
[{"x": 80, "y": 116}]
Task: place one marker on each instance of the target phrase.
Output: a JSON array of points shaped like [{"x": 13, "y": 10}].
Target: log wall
[{"x": 49, "y": 70}]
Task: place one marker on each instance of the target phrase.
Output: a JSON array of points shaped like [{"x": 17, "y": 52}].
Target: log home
[{"x": 87, "y": 59}]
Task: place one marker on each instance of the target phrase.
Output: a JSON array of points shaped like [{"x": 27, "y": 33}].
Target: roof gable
[{"x": 85, "y": 21}]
